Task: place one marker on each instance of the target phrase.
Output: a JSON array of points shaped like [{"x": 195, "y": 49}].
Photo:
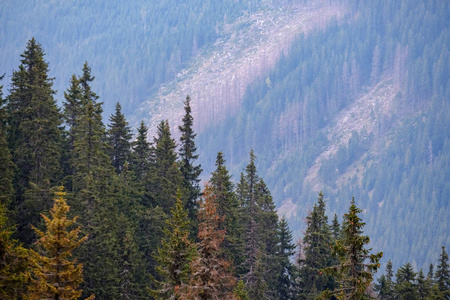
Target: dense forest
[
  {"x": 394, "y": 158},
  {"x": 88, "y": 211}
]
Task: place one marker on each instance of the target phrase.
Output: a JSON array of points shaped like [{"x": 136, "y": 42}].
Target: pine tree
[
  {"x": 228, "y": 207},
  {"x": 72, "y": 107},
  {"x": 55, "y": 274},
  {"x": 316, "y": 253},
  {"x": 34, "y": 137},
  {"x": 239, "y": 292},
  {"x": 443, "y": 275},
  {"x": 354, "y": 274},
  {"x": 119, "y": 136},
  {"x": 285, "y": 286},
  {"x": 190, "y": 172},
  {"x": 14, "y": 262},
  {"x": 211, "y": 276},
  {"x": 174, "y": 255},
  {"x": 140, "y": 155},
  {"x": 384, "y": 287}
]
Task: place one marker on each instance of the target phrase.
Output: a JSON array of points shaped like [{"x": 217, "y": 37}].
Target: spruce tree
[
  {"x": 6, "y": 164},
  {"x": 174, "y": 255},
  {"x": 228, "y": 208},
  {"x": 165, "y": 178},
  {"x": 211, "y": 276},
  {"x": 140, "y": 155},
  {"x": 56, "y": 275},
  {"x": 405, "y": 287},
  {"x": 354, "y": 275},
  {"x": 119, "y": 136},
  {"x": 14, "y": 263},
  {"x": 286, "y": 278},
  {"x": 34, "y": 137},
  {"x": 443, "y": 275},
  {"x": 72, "y": 107},
  {"x": 316, "y": 253},
  {"x": 189, "y": 170},
  {"x": 384, "y": 287}
]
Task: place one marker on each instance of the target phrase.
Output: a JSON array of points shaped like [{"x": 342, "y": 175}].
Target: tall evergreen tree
[
  {"x": 286, "y": 279},
  {"x": 55, "y": 274},
  {"x": 405, "y": 287},
  {"x": 14, "y": 262},
  {"x": 189, "y": 170},
  {"x": 443, "y": 274},
  {"x": 34, "y": 137},
  {"x": 228, "y": 207},
  {"x": 119, "y": 136},
  {"x": 354, "y": 274},
  {"x": 175, "y": 255},
  {"x": 384, "y": 287},
  {"x": 316, "y": 253},
  {"x": 211, "y": 275},
  {"x": 72, "y": 107},
  {"x": 6, "y": 164},
  {"x": 165, "y": 178},
  {"x": 141, "y": 154}
]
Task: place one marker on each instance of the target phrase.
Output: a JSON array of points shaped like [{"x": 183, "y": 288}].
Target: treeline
[{"x": 143, "y": 227}]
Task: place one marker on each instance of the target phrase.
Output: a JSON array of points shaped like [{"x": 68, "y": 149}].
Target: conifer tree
[
  {"x": 285, "y": 286},
  {"x": 174, "y": 255},
  {"x": 316, "y": 253},
  {"x": 6, "y": 164},
  {"x": 165, "y": 178},
  {"x": 119, "y": 136},
  {"x": 239, "y": 292},
  {"x": 189, "y": 170},
  {"x": 140, "y": 155},
  {"x": 228, "y": 207},
  {"x": 72, "y": 107},
  {"x": 56, "y": 275},
  {"x": 443, "y": 275},
  {"x": 384, "y": 287},
  {"x": 405, "y": 287},
  {"x": 14, "y": 262},
  {"x": 354, "y": 274},
  {"x": 34, "y": 137},
  {"x": 211, "y": 276}
]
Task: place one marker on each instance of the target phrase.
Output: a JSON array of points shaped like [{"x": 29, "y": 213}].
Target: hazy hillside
[{"x": 348, "y": 97}]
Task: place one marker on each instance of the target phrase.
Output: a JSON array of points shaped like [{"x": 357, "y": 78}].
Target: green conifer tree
[
  {"x": 34, "y": 137},
  {"x": 165, "y": 178},
  {"x": 140, "y": 155},
  {"x": 316, "y": 253},
  {"x": 442, "y": 276},
  {"x": 229, "y": 208},
  {"x": 287, "y": 276},
  {"x": 174, "y": 255},
  {"x": 119, "y": 136},
  {"x": 405, "y": 286},
  {"x": 14, "y": 275},
  {"x": 354, "y": 275},
  {"x": 189, "y": 170}
]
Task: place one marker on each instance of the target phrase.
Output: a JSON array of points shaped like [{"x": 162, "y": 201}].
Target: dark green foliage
[
  {"x": 405, "y": 287},
  {"x": 174, "y": 255},
  {"x": 353, "y": 274},
  {"x": 285, "y": 287},
  {"x": 189, "y": 171},
  {"x": 316, "y": 253},
  {"x": 228, "y": 207},
  {"x": 119, "y": 136},
  {"x": 14, "y": 274},
  {"x": 442, "y": 276},
  {"x": 140, "y": 155},
  {"x": 34, "y": 137},
  {"x": 6, "y": 164},
  {"x": 165, "y": 178}
]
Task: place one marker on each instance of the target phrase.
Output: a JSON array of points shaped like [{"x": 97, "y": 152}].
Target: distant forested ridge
[{"x": 360, "y": 108}]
